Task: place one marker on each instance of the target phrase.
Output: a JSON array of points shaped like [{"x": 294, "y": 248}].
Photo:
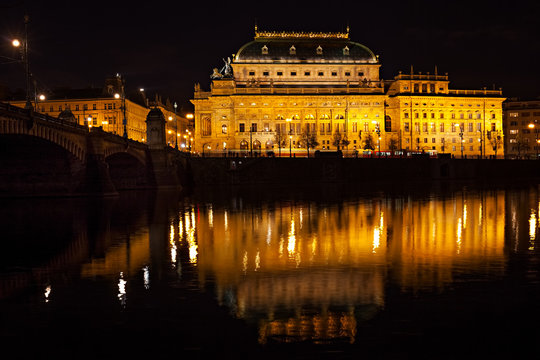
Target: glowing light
[
  {"x": 189, "y": 116},
  {"x": 458, "y": 237},
  {"x": 376, "y": 239},
  {"x": 464, "y": 216},
  {"x": 170, "y": 118},
  {"x": 173, "y": 247},
  {"x": 257, "y": 261},
  {"x": 244, "y": 262},
  {"x": 122, "y": 296},
  {"x": 16, "y": 43},
  {"x": 211, "y": 217},
  {"x": 47, "y": 293},
  {"x": 532, "y": 229},
  {"x": 41, "y": 97},
  {"x": 146, "y": 277},
  {"x": 291, "y": 245},
  {"x": 117, "y": 96}
]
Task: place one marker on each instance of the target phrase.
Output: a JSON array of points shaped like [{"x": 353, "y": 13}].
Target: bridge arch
[{"x": 18, "y": 127}]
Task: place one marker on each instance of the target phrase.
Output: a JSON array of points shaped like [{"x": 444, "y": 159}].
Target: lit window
[
  {"x": 264, "y": 50},
  {"x": 346, "y": 50},
  {"x": 319, "y": 50}
]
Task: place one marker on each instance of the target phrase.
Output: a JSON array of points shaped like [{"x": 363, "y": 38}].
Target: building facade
[
  {"x": 522, "y": 127},
  {"x": 287, "y": 91},
  {"x": 104, "y": 107}
]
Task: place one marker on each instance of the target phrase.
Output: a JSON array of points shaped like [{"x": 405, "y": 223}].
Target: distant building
[
  {"x": 104, "y": 107},
  {"x": 285, "y": 87},
  {"x": 522, "y": 127}
]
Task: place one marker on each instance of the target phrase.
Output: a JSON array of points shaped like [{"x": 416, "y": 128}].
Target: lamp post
[
  {"x": 378, "y": 131},
  {"x": 175, "y": 127},
  {"x": 461, "y": 138},
  {"x": 290, "y": 137},
  {"x": 122, "y": 95},
  {"x": 481, "y": 144},
  {"x": 24, "y": 57}
]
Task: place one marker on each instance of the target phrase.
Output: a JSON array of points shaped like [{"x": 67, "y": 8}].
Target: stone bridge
[{"x": 42, "y": 155}]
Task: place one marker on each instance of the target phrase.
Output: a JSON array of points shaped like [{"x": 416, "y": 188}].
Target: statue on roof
[
  {"x": 226, "y": 70},
  {"x": 216, "y": 75}
]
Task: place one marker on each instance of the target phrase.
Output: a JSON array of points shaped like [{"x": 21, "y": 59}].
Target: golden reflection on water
[{"x": 307, "y": 271}]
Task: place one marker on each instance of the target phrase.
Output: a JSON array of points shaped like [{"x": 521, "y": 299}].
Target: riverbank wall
[{"x": 236, "y": 171}]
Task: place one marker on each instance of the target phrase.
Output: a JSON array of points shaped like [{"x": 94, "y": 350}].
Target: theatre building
[{"x": 287, "y": 91}]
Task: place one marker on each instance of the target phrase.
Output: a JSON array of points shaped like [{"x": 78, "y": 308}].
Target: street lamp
[
  {"x": 290, "y": 137},
  {"x": 123, "y": 106},
  {"x": 460, "y": 137},
  {"x": 532, "y": 126},
  {"x": 175, "y": 127},
  {"x": 378, "y": 131},
  {"x": 17, "y": 43}
]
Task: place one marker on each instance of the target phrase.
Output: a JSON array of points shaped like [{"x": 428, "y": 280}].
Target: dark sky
[{"x": 167, "y": 46}]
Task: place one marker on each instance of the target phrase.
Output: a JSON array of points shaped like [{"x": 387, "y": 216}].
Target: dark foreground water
[{"x": 426, "y": 271}]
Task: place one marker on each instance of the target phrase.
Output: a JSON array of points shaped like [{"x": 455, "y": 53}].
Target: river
[{"x": 423, "y": 270}]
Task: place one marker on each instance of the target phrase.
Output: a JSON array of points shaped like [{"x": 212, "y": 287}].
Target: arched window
[
  {"x": 319, "y": 50},
  {"x": 264, "y": 50},
  {"x": 243, "y": 145},
  {"x": 324, "y": 117},
  {"x": 206, "y": 126},
  {"x": 223, "y": 129},
  {"x": 295, "y": 117},
  {"x": 280, "y": 117},
  {"x": 339, "y": 116},
  {"x": 309, "y": 117},
  {"x": 388, "y": 123},
  {"x": 346, "y": 50}
]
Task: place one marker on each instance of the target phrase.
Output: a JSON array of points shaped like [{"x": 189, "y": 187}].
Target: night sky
[{"x": 166, "y": 47}]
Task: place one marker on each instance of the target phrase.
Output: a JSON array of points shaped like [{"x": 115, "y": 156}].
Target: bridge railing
[{"x": 36, "y": 115}]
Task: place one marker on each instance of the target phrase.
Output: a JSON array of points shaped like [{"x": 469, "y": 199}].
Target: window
[
  {"x": 292, "y": 50},
  {"x": 60, "y": 108},
  {"x": 470, "y": 127},
  {"x": 441, "y": 127},
  {"x": 206, "y": 125},
  {"x": 293, "y": 73},
  {"x": 360, "y": 73},
  {"x": 461, "y": 116},
  {"x": 479, "y": 116},
  {"x": 254, "y": 127},
  {"x": 280, "y": 73},
  {"x": 432, "y": 88},
  {"x": 354, "y": 127},
  {"x": 319, "y": 50},
  {"x": 478, "y": 127},
  {"x": 223, "y": 129},
  {"x": 424, "y": 115},
  {"x": 346, "y": 50},
  {"x": 321, "y": 73},
  {"x": 424, "y": 127},
  {"x": 347, "y": 73},
  {"x": 241, "y": 127},
  {"x": 406, "y": 115},
  {"x": 433, "y": 140},
  {"x": 493, "y": 116},
  {"x": 94, "y": 107},
  {"x": 266, "y": 73},
  {"x": 416, "y": 88},
  {"x": 252, "y": 73},
  {"x": 513, "y": 114},
  {"x": 85, "y": 107},
  {"x": 307, "y": 73},
  {"x": 334, "y": 73},
  {"x": 266, "y": 126},
  {"x": 77, "y": 107},
  {"x": 417, "y": 127},
  {"x": 441, "y": 116},
  {"x": 424, "y": 87},
  {"x": 525, "y": 114},
  {"x": 264, "y": 50},
  {"x": 406, "y": 127}
]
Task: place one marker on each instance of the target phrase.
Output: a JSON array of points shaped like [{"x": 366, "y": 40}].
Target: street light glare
[
  {"x": 117, "y": 96},
  {"x": 41, "y": 97},
  {"x": 16, "y": 43}
]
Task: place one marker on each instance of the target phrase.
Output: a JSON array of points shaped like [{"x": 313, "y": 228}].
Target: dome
[{"x": 304, "y": 47}]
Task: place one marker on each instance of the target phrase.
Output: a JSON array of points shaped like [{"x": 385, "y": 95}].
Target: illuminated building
[
  {"x": 283, "y": 87},
  {"x": 103, "y": 107},
  {"x": 521, "y": 127}
]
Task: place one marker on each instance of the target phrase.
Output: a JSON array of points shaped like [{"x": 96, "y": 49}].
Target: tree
[
  {"x": 279, "y": 139},
  {"x": 344, "y": 141},
  {"x": 393, "y": 144},
  {"x": 336, "y": 140},
  {"x": 495, "y": 141},
  {"x": 308, "y": 140},
  {"x": 520, "y": 145},
  {"x": 368, "y": 142}
]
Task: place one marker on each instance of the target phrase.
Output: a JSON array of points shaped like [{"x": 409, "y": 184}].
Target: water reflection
[{"x": 296, "y": 269}]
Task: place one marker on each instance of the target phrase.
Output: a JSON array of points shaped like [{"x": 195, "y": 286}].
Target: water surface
[{"x": 429, "y": 272}]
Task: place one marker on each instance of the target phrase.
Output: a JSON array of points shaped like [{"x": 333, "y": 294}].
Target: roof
[{"x": 304, "y": 47}]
